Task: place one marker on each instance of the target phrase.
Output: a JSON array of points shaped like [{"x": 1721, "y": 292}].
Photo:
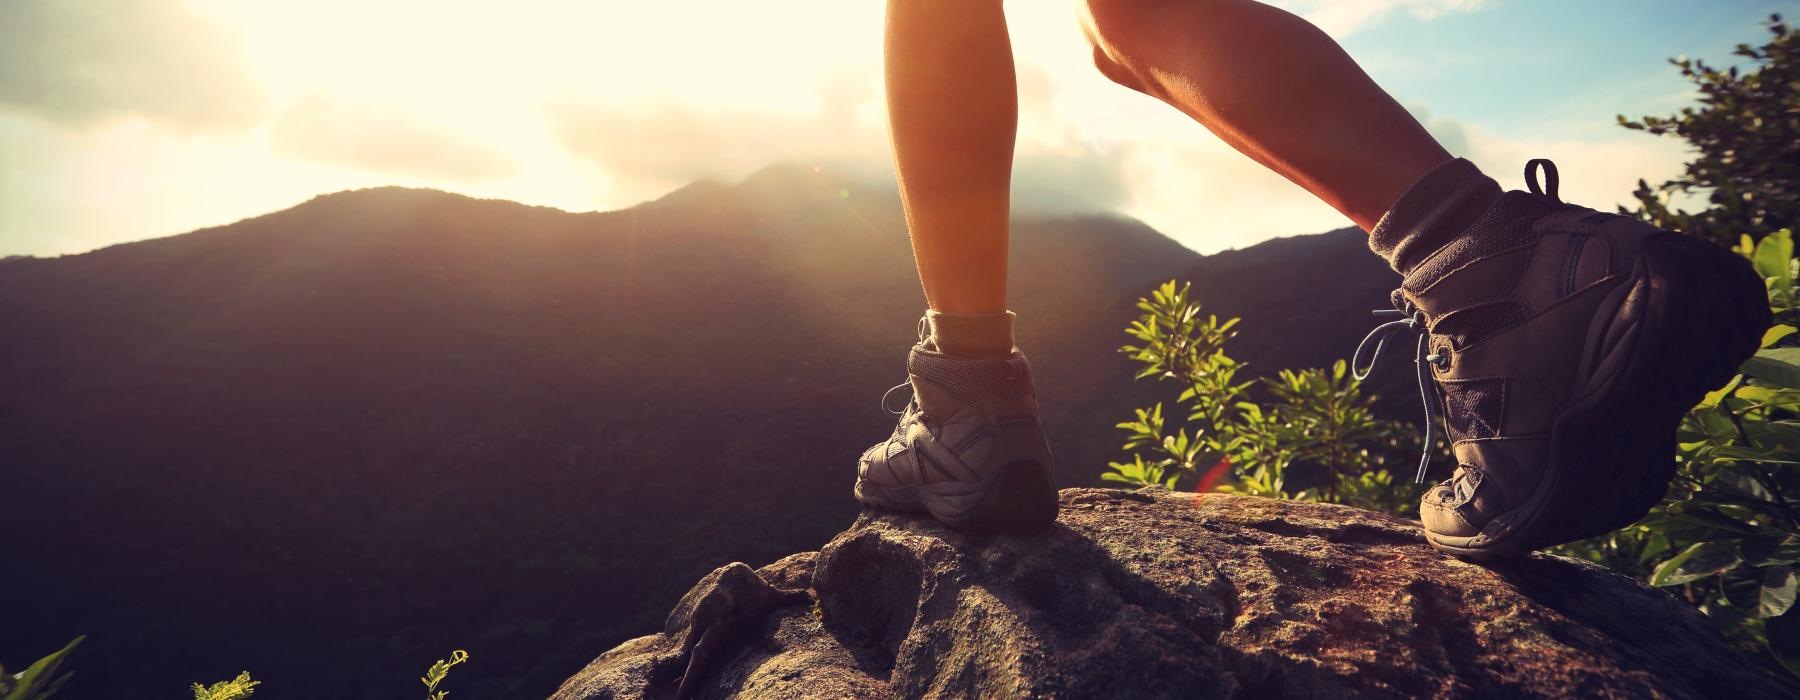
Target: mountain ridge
[{"x": 366, "y": 414}]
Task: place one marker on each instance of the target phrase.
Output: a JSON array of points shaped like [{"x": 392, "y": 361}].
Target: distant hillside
[
  {"x": 332, "y": 443},
  {"x": 1305, "y": 301}
]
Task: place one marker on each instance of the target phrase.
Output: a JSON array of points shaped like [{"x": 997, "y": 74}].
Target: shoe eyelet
[{"x": 1439, "y": 359}]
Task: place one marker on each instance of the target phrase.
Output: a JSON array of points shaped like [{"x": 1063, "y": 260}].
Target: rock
[{"x": 1157, "y": 594}]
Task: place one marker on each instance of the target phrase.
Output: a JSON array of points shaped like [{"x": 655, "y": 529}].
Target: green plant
[
  {"x": 1314, "y": 439},
  {"x": 38, "y": 681},
  {"x": 1727, "y": 536},
  {"x": 235, "y": 689},
  {"x": 1745, "y": 135},
  {"x": 1177, "y": 344},
  {"x": 1319, "y": 418},
  {"x": 435, "y": 674}
]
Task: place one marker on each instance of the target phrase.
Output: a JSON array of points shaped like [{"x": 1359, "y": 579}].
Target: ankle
[
  {"x": 971, "y": 335},
  {"x": 1433, "y": 212}
]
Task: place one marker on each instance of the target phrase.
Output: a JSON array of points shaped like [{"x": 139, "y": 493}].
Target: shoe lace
[
  {"x": 886, "y": 399},
  {"x": 1407, "y": 318},
  {"x": 1411, "y": 320},
  {"x": 924, "y": 330}
]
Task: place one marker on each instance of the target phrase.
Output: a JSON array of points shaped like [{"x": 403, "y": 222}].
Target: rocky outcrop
[{"x": 1169, "y": 595}]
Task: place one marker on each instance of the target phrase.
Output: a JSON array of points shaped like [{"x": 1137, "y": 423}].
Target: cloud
[
  {"x": 1196, "y": 189},
  {"x": 656, "y": 146},
  {"x": 572, "y": 106},
  {"x": 1595, "y": 173},
  {"x": 382, "y": 139},
  {"x": 85, "y": 62},
  {"x": 1199, "y": 191},
  {"x": 1452, "y": 134},
  {"x": 1341, "y": 18},
  {"x": 667, "y": 143}
]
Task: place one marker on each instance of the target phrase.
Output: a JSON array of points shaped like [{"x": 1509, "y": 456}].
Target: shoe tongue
[{"x": 1433, "y": 212}]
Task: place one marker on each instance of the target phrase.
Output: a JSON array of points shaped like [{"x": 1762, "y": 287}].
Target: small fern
[
  {"x": 435, "y": 674},
  {"x": 237, "y": 688}
]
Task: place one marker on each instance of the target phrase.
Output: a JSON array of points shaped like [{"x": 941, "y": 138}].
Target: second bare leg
[{"x": 1274, "y": 87}]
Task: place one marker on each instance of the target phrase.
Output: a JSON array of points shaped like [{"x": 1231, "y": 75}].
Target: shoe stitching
[
  {"x": 1571, "y": 264},
  {"x": 932, "y": 462}
]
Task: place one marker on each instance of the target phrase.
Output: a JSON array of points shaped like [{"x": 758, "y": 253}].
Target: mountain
[
  {"x": 332, "y": 443},
  {"x": 1304, "y": 301},
  {"x": 1261, "y": 598}
]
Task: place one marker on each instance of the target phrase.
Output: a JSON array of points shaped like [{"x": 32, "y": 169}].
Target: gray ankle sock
[
  {"x": 1441, "y": 205},
  {"x": 971, "y": 335}
]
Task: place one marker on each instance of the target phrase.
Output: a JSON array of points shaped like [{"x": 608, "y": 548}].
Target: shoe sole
[
  {"x": 1018, "y": 497},
  {"x": 1694, "y": 313}
]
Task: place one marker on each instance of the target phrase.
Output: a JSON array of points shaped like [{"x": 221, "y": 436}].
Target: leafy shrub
[
  {"x": 1745, "y": 135},
  {"x": 1180, "y": 345},
  {"x": 1315, "y": 438},
  {"x": 1727, "y": 536},
  {"x": 1320, "y": 423},
  {"x": 237, "y": 688}
]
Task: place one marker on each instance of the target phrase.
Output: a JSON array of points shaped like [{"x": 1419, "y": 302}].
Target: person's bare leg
[
  {"x": 953, "y": 110},
  {"x": 969, "y": 449},
  {"x": 1274, "y": 87}
]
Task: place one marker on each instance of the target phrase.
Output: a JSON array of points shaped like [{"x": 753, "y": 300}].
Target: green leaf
[
  {"x": 1778, "y": 366},
  {"x": 1654, "y": 547},
  {"x": 39, "y": 680},
  {"x": 1771, "y": 259},
  {"x": 1698, "y": 561},
  {"x": 1741, "y": 482},
  {"x": 1778, "y": 588},
  {"x": 1713, "y": 397},
  {"x": 1742, "y": 591},
  {"x": 1711, "y": 518},
  {"x": 1770, "y": 549},
  {"x": 1783, "y": 639},
  {"x": 1775, "y": 334},
  {"x": 1769, "y": 396},
  {"x": 1749, "y": 454},
  {"x": 1783, "y": 434}
]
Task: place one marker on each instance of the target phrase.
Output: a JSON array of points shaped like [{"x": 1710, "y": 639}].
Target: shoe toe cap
[
  {"x": 1442, "y": 514},
  {"x": 1462, "y": 506}
]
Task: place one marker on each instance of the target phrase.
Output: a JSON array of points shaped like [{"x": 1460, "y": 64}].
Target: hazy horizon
[{"x": 140, "y": 120}]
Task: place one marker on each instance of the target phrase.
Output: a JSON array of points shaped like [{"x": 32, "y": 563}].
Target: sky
[{"x": 122, "y": 120}]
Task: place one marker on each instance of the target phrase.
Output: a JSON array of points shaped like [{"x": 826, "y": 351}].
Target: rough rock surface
[{"x": 1169, "y": 595}]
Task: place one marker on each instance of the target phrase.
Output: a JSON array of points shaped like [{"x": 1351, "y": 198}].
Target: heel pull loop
[{"x": 1550, "y": 180}]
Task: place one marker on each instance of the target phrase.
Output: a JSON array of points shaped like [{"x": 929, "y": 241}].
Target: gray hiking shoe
[
  {"x": 1565, "y": 344},
  {"x": 968, "y": 448}
]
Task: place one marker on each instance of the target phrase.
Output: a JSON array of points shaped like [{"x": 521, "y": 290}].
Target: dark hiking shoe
[
  {"x": 968, "y": 448},
  {"x": 1565, "y": 344}
]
